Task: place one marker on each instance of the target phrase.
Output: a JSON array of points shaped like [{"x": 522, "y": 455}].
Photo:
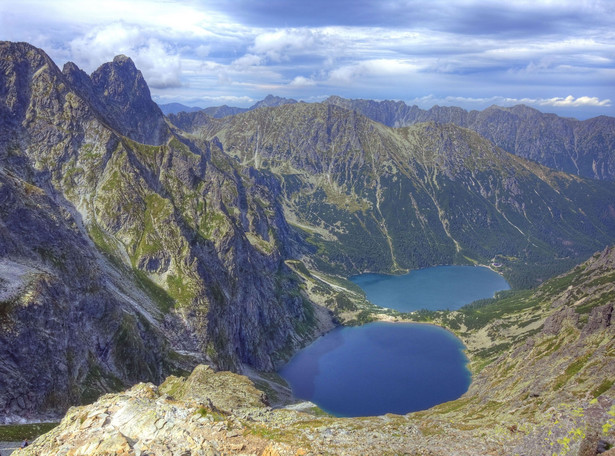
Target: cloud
[
  {"x": 279, "y": 45},
  {"x": 160, "y": 66},
  {"x": 246, "y": 61},
  {"x": 301, "y": 81},
  {"x": 535, "y": 51},
  {"x": 467, "y": 17},
  {"x": 560, "y": 102},
  {"x": 571, "y": 101},
  {"x": 229, "y": 99},
  {"x": 373, "y": 68}
]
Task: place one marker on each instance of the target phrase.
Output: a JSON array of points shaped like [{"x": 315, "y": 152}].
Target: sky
[{"x": 555, "y": 55}]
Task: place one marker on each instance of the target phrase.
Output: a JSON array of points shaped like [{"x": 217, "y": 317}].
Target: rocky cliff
[
  {"x": 585, "y": 148},
  {"x": 128, "y": 250}
]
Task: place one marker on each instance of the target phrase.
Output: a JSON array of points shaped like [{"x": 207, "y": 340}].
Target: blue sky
[{"x": 557, "y": 56}]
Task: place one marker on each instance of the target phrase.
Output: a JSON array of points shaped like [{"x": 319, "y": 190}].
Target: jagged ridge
[{"x": 586, "y": 148}]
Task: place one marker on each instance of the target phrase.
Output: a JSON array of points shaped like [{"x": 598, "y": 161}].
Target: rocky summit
[{"x": 138, "y": 251}]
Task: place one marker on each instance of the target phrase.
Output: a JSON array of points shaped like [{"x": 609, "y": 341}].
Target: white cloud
[
  {"x": 301, "y": 81},
  {"x": 560, "y": 102},
  {"x": 571, "y": 101},
  {"x": 246, "y": 61},
  {"x": 160, "y": 66},
  {"x": 373, "y": 68},
  {"x": 192, "y": 47},
  {"x": 229, "y": 99},
  {"x": 279, "y": 45}
]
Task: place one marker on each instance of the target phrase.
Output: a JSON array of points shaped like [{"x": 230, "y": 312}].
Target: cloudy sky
[{"x": 555, "y": 55}]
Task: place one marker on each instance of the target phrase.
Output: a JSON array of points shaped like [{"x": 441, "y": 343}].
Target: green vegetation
[
  {"x": 603, "y": 388},
  {"x": 158, "y": 294},
  {"x": 18, "y": 432},
  {"x": 180, "y": 290},
  {"x": 214, "y": 415},
  {"x": 479, "y": 313},
  {"x": 97, "y": 383}
]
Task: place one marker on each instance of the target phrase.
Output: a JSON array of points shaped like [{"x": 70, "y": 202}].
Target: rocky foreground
[
  {"x": 543, "y": 368},
  {"x": 220, "y": 413}
]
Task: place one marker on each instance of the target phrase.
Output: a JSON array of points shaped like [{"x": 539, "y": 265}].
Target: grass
[
  {"x": 206, "y": 412},
  {"x": 160, "y": 296},
  {"x": 18, "y": 432},
  {"x": 603, "y": 388},
  {"x": 570, "y": 372}
]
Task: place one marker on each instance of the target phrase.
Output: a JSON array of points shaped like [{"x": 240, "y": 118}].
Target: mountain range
[
  {"x": 585, "y": 148},
  {"x": 134, "y": 246},
  {"x": 223, "y": 111}
]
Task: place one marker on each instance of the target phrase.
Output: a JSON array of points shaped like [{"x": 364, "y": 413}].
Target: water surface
[
  {"x": 380, "y": 368},
  {"x": 438, "y": 288},
  {"x": 393, "y": 367}
]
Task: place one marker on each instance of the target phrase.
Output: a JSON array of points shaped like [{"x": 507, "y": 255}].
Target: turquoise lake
[
  {"x": 393, "y": 367},
  {"x": 438, "y": 288}
]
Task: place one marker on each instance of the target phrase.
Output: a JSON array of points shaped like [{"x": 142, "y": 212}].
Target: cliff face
[
  {"x": 585, "y": 148},
  {"x": 128, "y": 251}
]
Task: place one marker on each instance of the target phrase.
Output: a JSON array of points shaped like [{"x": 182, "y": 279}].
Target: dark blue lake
[
  {"x": 438, "y": 288},
  {"x": 380, "y": 368},
  {"x": 393, "y": 367}
]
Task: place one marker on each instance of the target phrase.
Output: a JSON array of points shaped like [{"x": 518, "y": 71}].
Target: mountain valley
[{"x": 136, "y": 247}]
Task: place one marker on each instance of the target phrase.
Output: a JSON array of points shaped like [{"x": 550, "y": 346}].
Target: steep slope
[
  {"x": 167, "y": 253},
  {"x": 551, "y": 393},
  {"x": 368, "y": 197},
  {"x": 550, "y": 371},
  {"x": 585, "y": 148}
]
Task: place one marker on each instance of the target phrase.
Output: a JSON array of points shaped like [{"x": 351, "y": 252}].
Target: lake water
[
  {"x": 380, "y": 368},
  {"x": 438, "y": 288},
  {"x": 393, "y": 367}
]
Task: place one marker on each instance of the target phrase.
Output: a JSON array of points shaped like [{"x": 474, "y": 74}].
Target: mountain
[
  {"x": 372, "y": 198},
  {"x": 222, "y": 111},
  {"x": 190, "y": 120},
  {"x": 119, "y": 95},
  {"x": 131, "y": 249},
  {"x": 174, "y": 108},
  {"x": 128, "y": 251},
  {"x": 549, "y": 391},
  {"x": 585, "y": 148},
  {"x": 271, "y": 101}
]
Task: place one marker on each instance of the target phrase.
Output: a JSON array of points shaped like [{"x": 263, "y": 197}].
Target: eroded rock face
[{"x": 579, "y": 147}]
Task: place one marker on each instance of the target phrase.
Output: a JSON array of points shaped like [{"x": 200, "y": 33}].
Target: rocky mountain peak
[
  {"x": 271, "y": 101},
  {"x": 20, "y": 63},
  {"x": 126, "y": 101}
]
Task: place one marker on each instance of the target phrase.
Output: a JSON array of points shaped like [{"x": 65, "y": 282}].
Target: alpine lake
[{"x": 398, "y": 368}]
